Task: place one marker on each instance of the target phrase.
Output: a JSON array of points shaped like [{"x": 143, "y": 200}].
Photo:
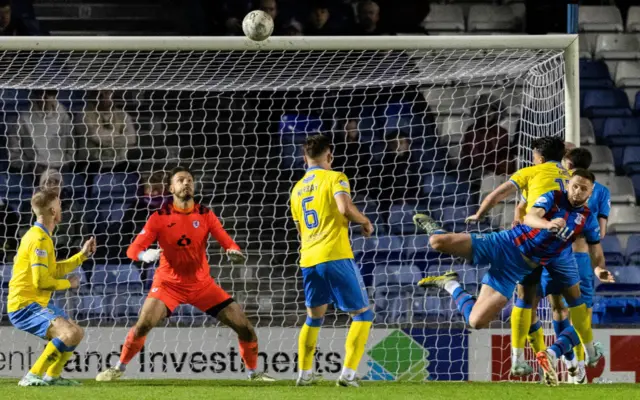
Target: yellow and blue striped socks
[{"x": 536, "y": 337}]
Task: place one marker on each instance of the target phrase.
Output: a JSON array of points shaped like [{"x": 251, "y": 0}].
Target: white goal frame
[{"x": 567, "y": 43}]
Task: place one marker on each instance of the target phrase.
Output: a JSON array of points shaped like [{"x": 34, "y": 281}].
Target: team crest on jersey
[
  {"x": 196, "y": 224},
  {"x": 41, "y": 253},
  {"x": 579, "y": 219}
]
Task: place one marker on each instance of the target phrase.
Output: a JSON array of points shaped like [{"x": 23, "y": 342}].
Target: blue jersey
[
  {"x": 542, "y": 245},
  {"x": 600, "y": 201}
]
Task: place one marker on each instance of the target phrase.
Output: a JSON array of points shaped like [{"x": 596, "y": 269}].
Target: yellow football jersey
[
  {"x": 537, "y": 180},
  {"x": 36, "y": 274},
  {"x": 324, "y": 231}
]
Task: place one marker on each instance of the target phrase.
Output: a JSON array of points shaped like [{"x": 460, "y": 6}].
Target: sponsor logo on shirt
[
  {"x": 309, "y": 178},
  {"x": 541, "y": 200},
  {"x": 41, "y": 253},
  {"x": 344, "y": 184}
]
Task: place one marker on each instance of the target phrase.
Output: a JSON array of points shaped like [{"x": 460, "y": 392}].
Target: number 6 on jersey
[{"x": 310, "y": 216}]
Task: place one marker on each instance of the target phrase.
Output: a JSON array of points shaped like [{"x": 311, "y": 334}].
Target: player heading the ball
[
  {"x": 36, "y": 275},
  {"x": 322, "y": 208},
  {"x": 182, "y": 229}
]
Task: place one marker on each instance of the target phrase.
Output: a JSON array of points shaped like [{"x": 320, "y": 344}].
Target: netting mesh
[{"x": 429, "y": 131}]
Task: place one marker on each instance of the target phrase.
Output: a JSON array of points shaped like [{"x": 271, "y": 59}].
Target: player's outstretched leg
[
  {"x": 65, "y": 335},
  {"x": 548, "y": 359},
  {"x": 153, "y": 311},
  {"x": 581, "y": 320},
  {"x": 560, "y": 324},
  {"x": 233, "y": 317},
  {"x": 521, "y": 315}
]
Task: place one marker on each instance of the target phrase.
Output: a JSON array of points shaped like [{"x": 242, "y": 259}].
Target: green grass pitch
[{"x": 284, "y": 390}]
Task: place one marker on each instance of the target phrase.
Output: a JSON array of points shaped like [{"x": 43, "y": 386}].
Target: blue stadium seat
[
  {"x": 16, "y": 187},
  {"x": 627, "y": 280},
  {"x": 377, "y": 251},
  {"x": 401, "y": 219},
  {"x": 119, "y": 186},
  {"x": 618, "y": 156},
  {"x": 453, "y": 217},
  {"x": 394, "y": 289},
  {"x": 430, "y": 308},
  {"x": 637, "y": 102},
  {"x": 593, "y": 69},
  {"x": 622, "y": 131},
  {"x": 636, "y": 184},
  {"x": 418, "y": 252},
  {"x": 443, "y": 185},
  {"x": 605, "y": 103},
  {"x": 633, "y": 250},
  {"x": 94, "y": 307},
  {"x": 594, "y": 74},
  {"x": 294, "y": 129},
  {"x": 616, "y": 310},
  {"x": 126, "y": 305},
  {"x": 631, "y": 161},
  {"x": 188, "y": 315},
  {"x": 612, "y": 250},
  {"x": 5, "y": 270},
  {"x": 116, "y": 279},
  {"x": 76, "y": 184}
]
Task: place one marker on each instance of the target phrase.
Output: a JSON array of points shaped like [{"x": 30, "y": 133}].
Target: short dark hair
[
  {"x": 175, "y": 171},
  {"x": 579, "y": 157},
  {"x": 316, "y": 145},
  {"x": 550, "y": 147},
  {"x": 585, "y": 173}
]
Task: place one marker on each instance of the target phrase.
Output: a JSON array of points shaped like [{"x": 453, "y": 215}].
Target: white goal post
[{"x": 234, "y": 110}]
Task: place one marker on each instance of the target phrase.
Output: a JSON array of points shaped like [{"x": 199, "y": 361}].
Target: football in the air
[{"x": 257, "y": 25}]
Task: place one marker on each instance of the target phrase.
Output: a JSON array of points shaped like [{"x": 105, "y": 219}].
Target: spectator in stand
[
  {"x": 352, "y": 156},
  {"x": 71, "y": 230},
  {"x": 399, "y": 176},
  {"x": 10, "y": 26},
  {"x": 108, "y": 133},
  {"x": 271, "y": 8},
  {"x": 368, "y": 23},
  {"x": 293, "y": 28},
  {"x": 485, "y": 147},
  {"x": 42, "y": 137},
  {"x": 154, "y": 195},
  {"x": 319, "y": 21}
]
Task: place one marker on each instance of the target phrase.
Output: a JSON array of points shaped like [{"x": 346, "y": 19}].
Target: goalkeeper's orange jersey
[
  {"x": 537, "y": 180},
  {"x": 324, "y": 230}
]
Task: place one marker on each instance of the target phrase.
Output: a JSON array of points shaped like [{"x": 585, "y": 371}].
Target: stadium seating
[
  {"x": 624, "y": 219},
  {"x": 617, "y": 47},
  {"x": 485, "y": 17},
  {"x": 631, "y": 160},
  {"x": 604, "y": 103},
  {"x": 602, "y": 159},
  {"x": 622, "y": 131},
  {"x": 587, "y": 135},
  {"x": 612, "y": 251},
  {"x": 633, "y": 19},
  {"x": 444, "y": 17},
  {"x": 628, "y": 74},
  {"x": 594, "y": 74},
  {"x": 622, "y": 191},
  {"x": 600, "y": 19},
  {"x": 401, "y": 219}
]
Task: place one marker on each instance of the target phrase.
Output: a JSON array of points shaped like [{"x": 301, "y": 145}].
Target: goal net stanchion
[{"x": 236, "y": 112}]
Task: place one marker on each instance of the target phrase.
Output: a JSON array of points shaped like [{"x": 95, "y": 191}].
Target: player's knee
[
  {"x": 77, "y": 334},
  {"x": 477, "y": 322},
  {"x": 143, "y": 327},
  {"x": 437, "y": 242},
  {"x": 71, "y": 334}
]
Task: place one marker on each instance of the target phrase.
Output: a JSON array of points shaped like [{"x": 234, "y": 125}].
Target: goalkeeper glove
[
  {"x": 235, "y": 256},
  {"x": 150, "y": 256}
]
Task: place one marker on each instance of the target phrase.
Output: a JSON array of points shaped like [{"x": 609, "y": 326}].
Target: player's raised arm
[
  {"x": 217, "y": 231},
  {"x": 75, "y": 261},
  {"x": 137, "y": 251},
  {"x": 519, "y": 212},
  {"x": 500, "y": 193}
]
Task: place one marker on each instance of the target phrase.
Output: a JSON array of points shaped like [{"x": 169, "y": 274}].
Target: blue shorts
[
  {"x": 508, "y": 267},
  {"x": 338, "y": 282},
  {"x": 36, "y": 319},
  {"x": 559, "y": 274}
]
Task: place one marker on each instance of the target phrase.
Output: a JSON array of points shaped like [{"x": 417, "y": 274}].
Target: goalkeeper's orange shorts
[{"x": 207, "y": 297}]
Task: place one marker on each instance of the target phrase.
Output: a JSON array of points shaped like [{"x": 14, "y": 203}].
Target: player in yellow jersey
[
  {"x": 322, "y": 209},
  {"x": 547, "y": 174},
  {"x": 36, "y": 275}
]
